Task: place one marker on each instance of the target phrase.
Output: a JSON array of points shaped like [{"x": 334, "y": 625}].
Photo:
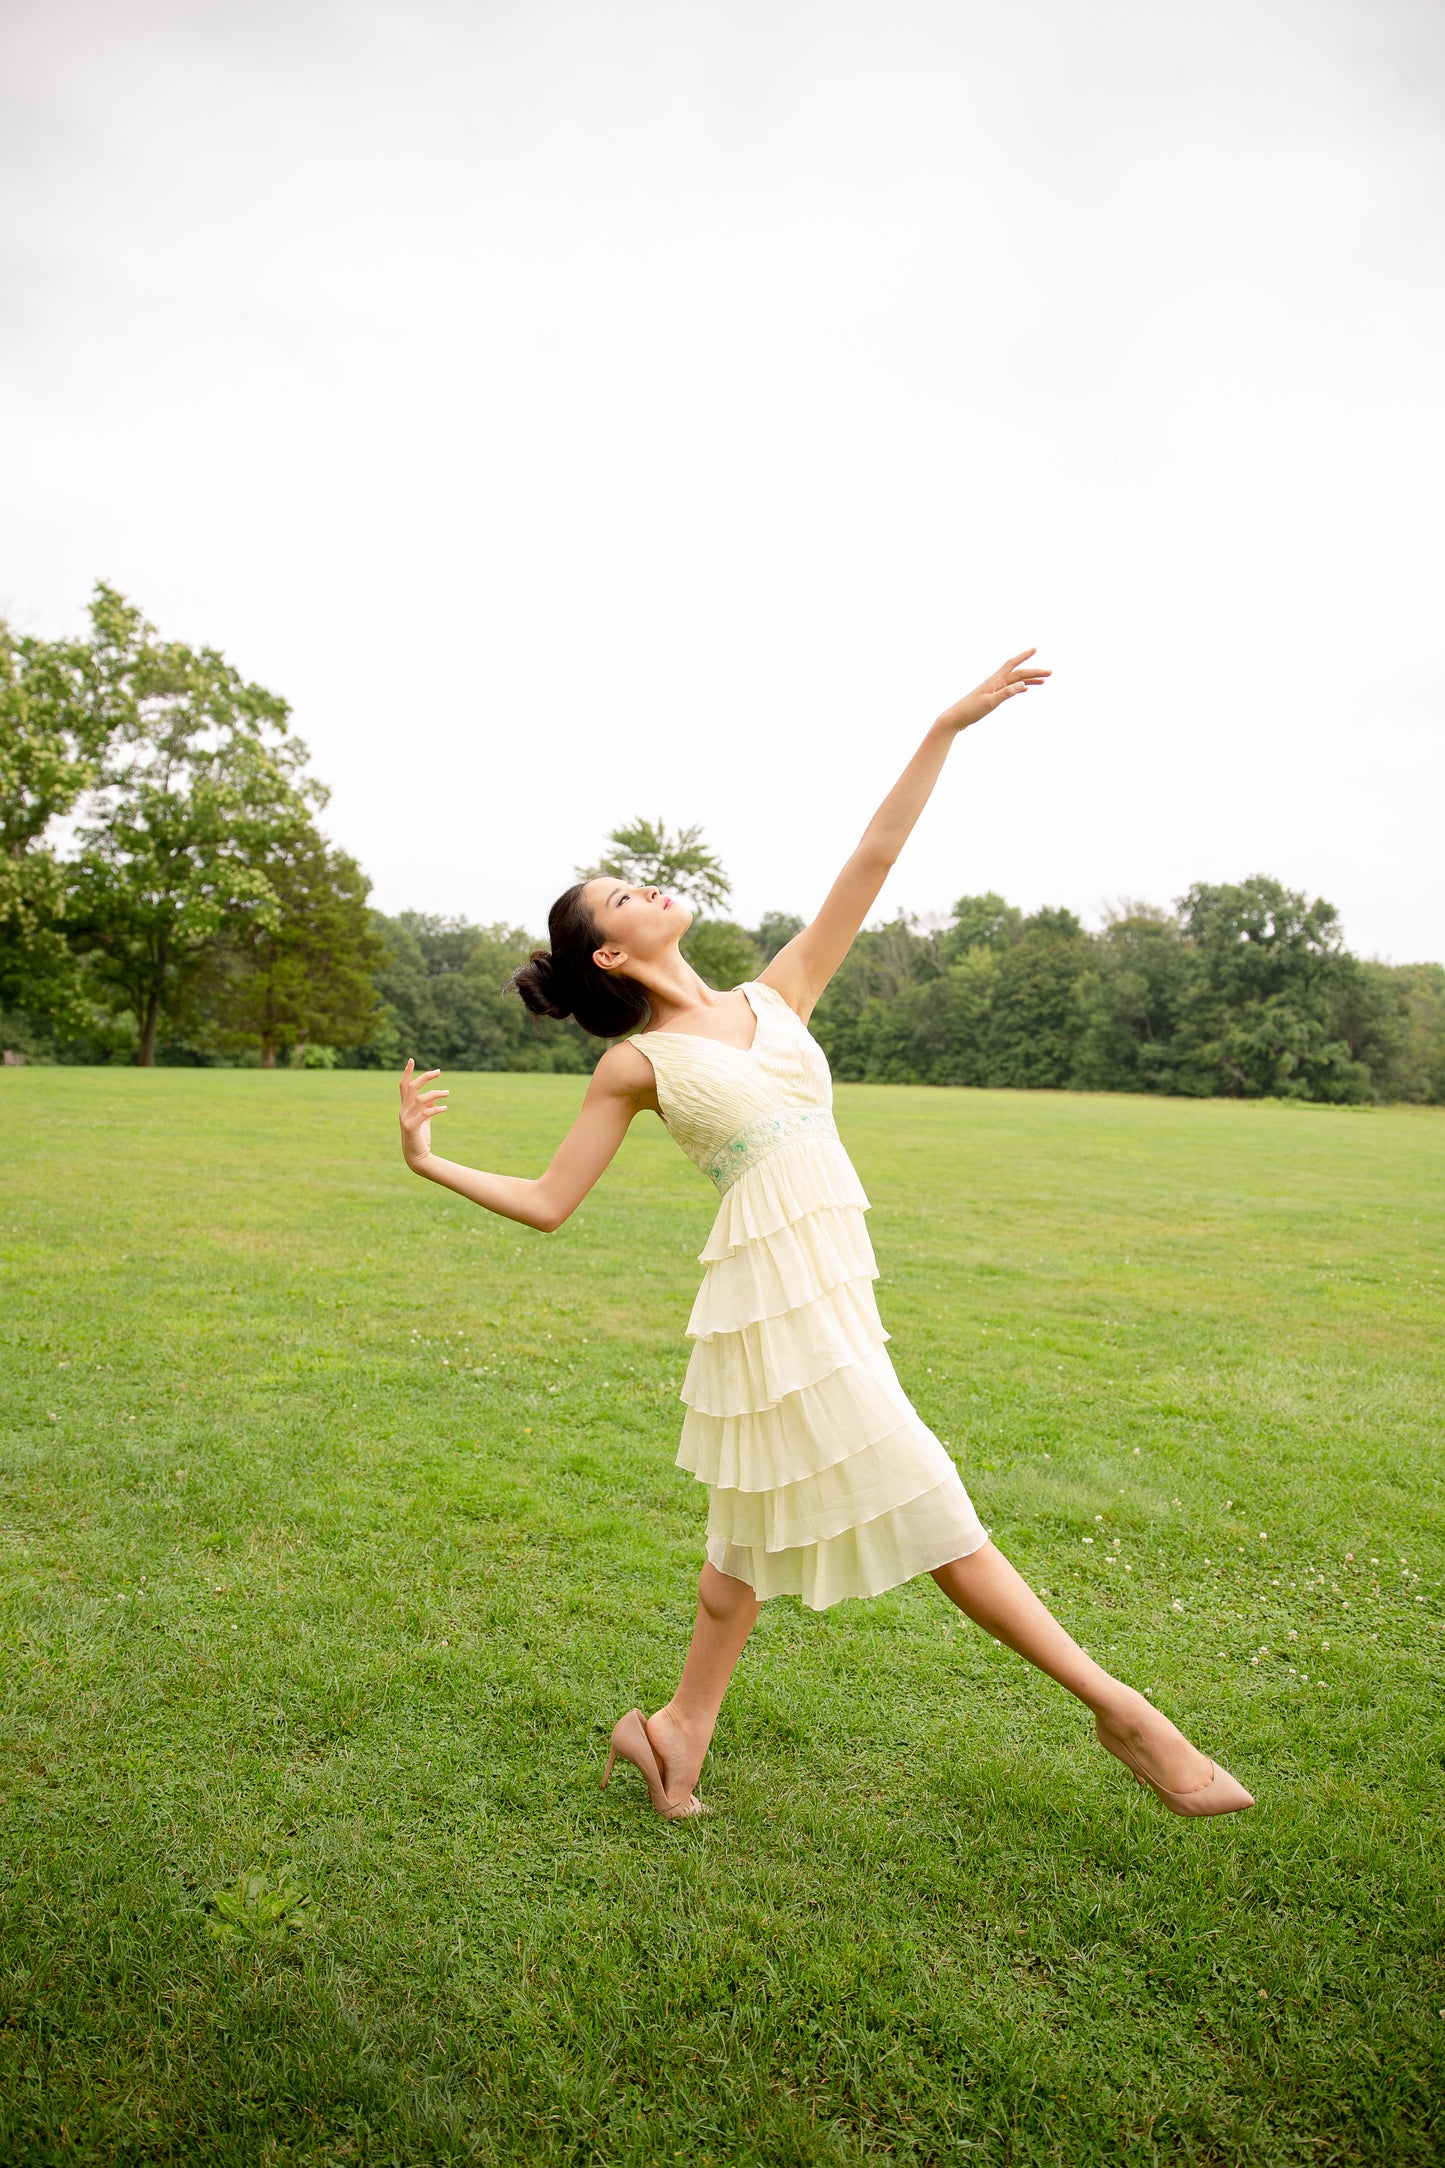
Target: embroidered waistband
[{"x": 764, "y": 1136}]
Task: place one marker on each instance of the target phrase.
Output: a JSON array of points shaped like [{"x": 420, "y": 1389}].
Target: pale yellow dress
[{"x": 823, "y": 1479}]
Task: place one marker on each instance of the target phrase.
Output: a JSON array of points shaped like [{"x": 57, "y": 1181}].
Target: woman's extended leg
[
  {"x": 995, "y": 1595},
  {"x": 680, "y": 1732}
]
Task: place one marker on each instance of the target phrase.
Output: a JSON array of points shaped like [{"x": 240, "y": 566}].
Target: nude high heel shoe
[
  {"x": 1221, "y": 1795},
  {"x": 630, "y": 1741}
]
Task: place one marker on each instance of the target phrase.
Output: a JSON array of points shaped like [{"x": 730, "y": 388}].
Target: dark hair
[{"x": 566, "y": 982}]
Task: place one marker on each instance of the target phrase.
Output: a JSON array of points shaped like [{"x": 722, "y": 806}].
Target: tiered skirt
[{"x": 823, "y": 1479}]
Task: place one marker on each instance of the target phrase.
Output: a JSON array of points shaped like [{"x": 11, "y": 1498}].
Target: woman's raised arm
[
  {"x": 621, "y": 1084},
  {"x": 800, "y": 971}
]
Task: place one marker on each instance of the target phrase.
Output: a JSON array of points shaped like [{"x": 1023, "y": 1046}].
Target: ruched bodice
[
  {"x": 824, "y": 1480},
  {"x": 728, "y": 1107}
]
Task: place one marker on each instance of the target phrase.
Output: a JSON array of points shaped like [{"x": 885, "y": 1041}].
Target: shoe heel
[{"x": 611, "y": 1758}]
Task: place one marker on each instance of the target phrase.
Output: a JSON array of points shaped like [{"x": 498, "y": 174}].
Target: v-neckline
[{"x": 747, "y": 1052}]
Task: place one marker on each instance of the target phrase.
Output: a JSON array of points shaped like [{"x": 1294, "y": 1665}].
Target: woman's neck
[{"x": 676, "y": 991}]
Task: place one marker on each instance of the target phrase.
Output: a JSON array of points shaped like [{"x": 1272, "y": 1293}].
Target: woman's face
[{"x": 637, "y": 925}]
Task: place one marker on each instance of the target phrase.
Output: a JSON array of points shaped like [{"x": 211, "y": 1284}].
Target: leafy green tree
[
  {"x": 1392, "y": 1019},
  {"x": 51, "y": 732},
  {"x": 1132, "y": 998},
  {"x": 301, "y": 976},
  {"x": 198, "y": 780},
  {"x": 932, "y": 1030},
  {"x": 408, "y": 1026},
  {"x": 723, "y": 953},
  {"x": 980, "y": 922},
  {"x": 645, "y": 854},
  {"x": 1036, "y": 1022},
  {"x": 1260, "y": 1014},
  {"x": 775, "y": 930},
  {"x": 1420, "y": 990}
]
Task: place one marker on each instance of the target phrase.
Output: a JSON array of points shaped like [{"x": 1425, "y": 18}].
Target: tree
[
  {"x": 1391, "y": 1017},
  {"x": 645, "y": 855},
  {"x": 980, "y": 922},
  {"x": 1420, "y": 990},
  {"x": 1036, "y": 1020},
  {"x": 302, "y": 974},
  {"x": 773, "y": 932},
  {"x": 200, "y": 782},
  {"x": 932, "y": 1030},
  {"x": 1259, "y": 1018},
  {"x": 1132, "y": 996},
  {"x": 50, "y": 735},
  {"x": 723, "y": 953}
]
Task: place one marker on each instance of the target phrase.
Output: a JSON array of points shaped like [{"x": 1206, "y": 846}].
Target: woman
[{"x": 824, "y": 1481}]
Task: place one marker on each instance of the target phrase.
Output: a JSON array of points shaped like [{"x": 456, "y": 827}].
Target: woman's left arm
[{"x": 800, "y": 971}]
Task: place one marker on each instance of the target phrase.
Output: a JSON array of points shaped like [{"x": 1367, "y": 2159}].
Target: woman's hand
[
  {"x": 1003, "y": 685},
  {"x": 417, "y": 1109}
]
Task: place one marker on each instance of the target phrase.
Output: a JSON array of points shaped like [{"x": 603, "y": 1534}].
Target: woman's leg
[
  {"x": 996, "y": 1597},
  {"x": 681, "y": 1731}
]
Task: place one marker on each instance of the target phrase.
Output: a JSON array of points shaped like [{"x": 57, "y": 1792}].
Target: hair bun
[
  {"x": 567, "y": 980},
  {"x": 541, "y": 987}
]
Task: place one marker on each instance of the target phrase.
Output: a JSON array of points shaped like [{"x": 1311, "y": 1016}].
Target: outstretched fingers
[{"x": 415, "y": 1100}]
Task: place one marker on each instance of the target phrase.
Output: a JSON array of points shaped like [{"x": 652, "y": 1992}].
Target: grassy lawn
[{"x": 338, "y": 1522}]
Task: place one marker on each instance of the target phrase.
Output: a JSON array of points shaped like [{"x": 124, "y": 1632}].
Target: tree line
[{"x": 197, "y": 914}]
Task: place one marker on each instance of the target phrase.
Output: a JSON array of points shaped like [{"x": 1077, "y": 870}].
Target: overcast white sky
[{"x": 581, "y": 411}]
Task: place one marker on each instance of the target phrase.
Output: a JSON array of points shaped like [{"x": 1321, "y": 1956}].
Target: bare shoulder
[{"x": 623, "y": 1073}]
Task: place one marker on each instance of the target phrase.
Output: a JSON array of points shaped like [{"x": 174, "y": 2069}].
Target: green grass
[{"x": 338, "y": 1522}]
